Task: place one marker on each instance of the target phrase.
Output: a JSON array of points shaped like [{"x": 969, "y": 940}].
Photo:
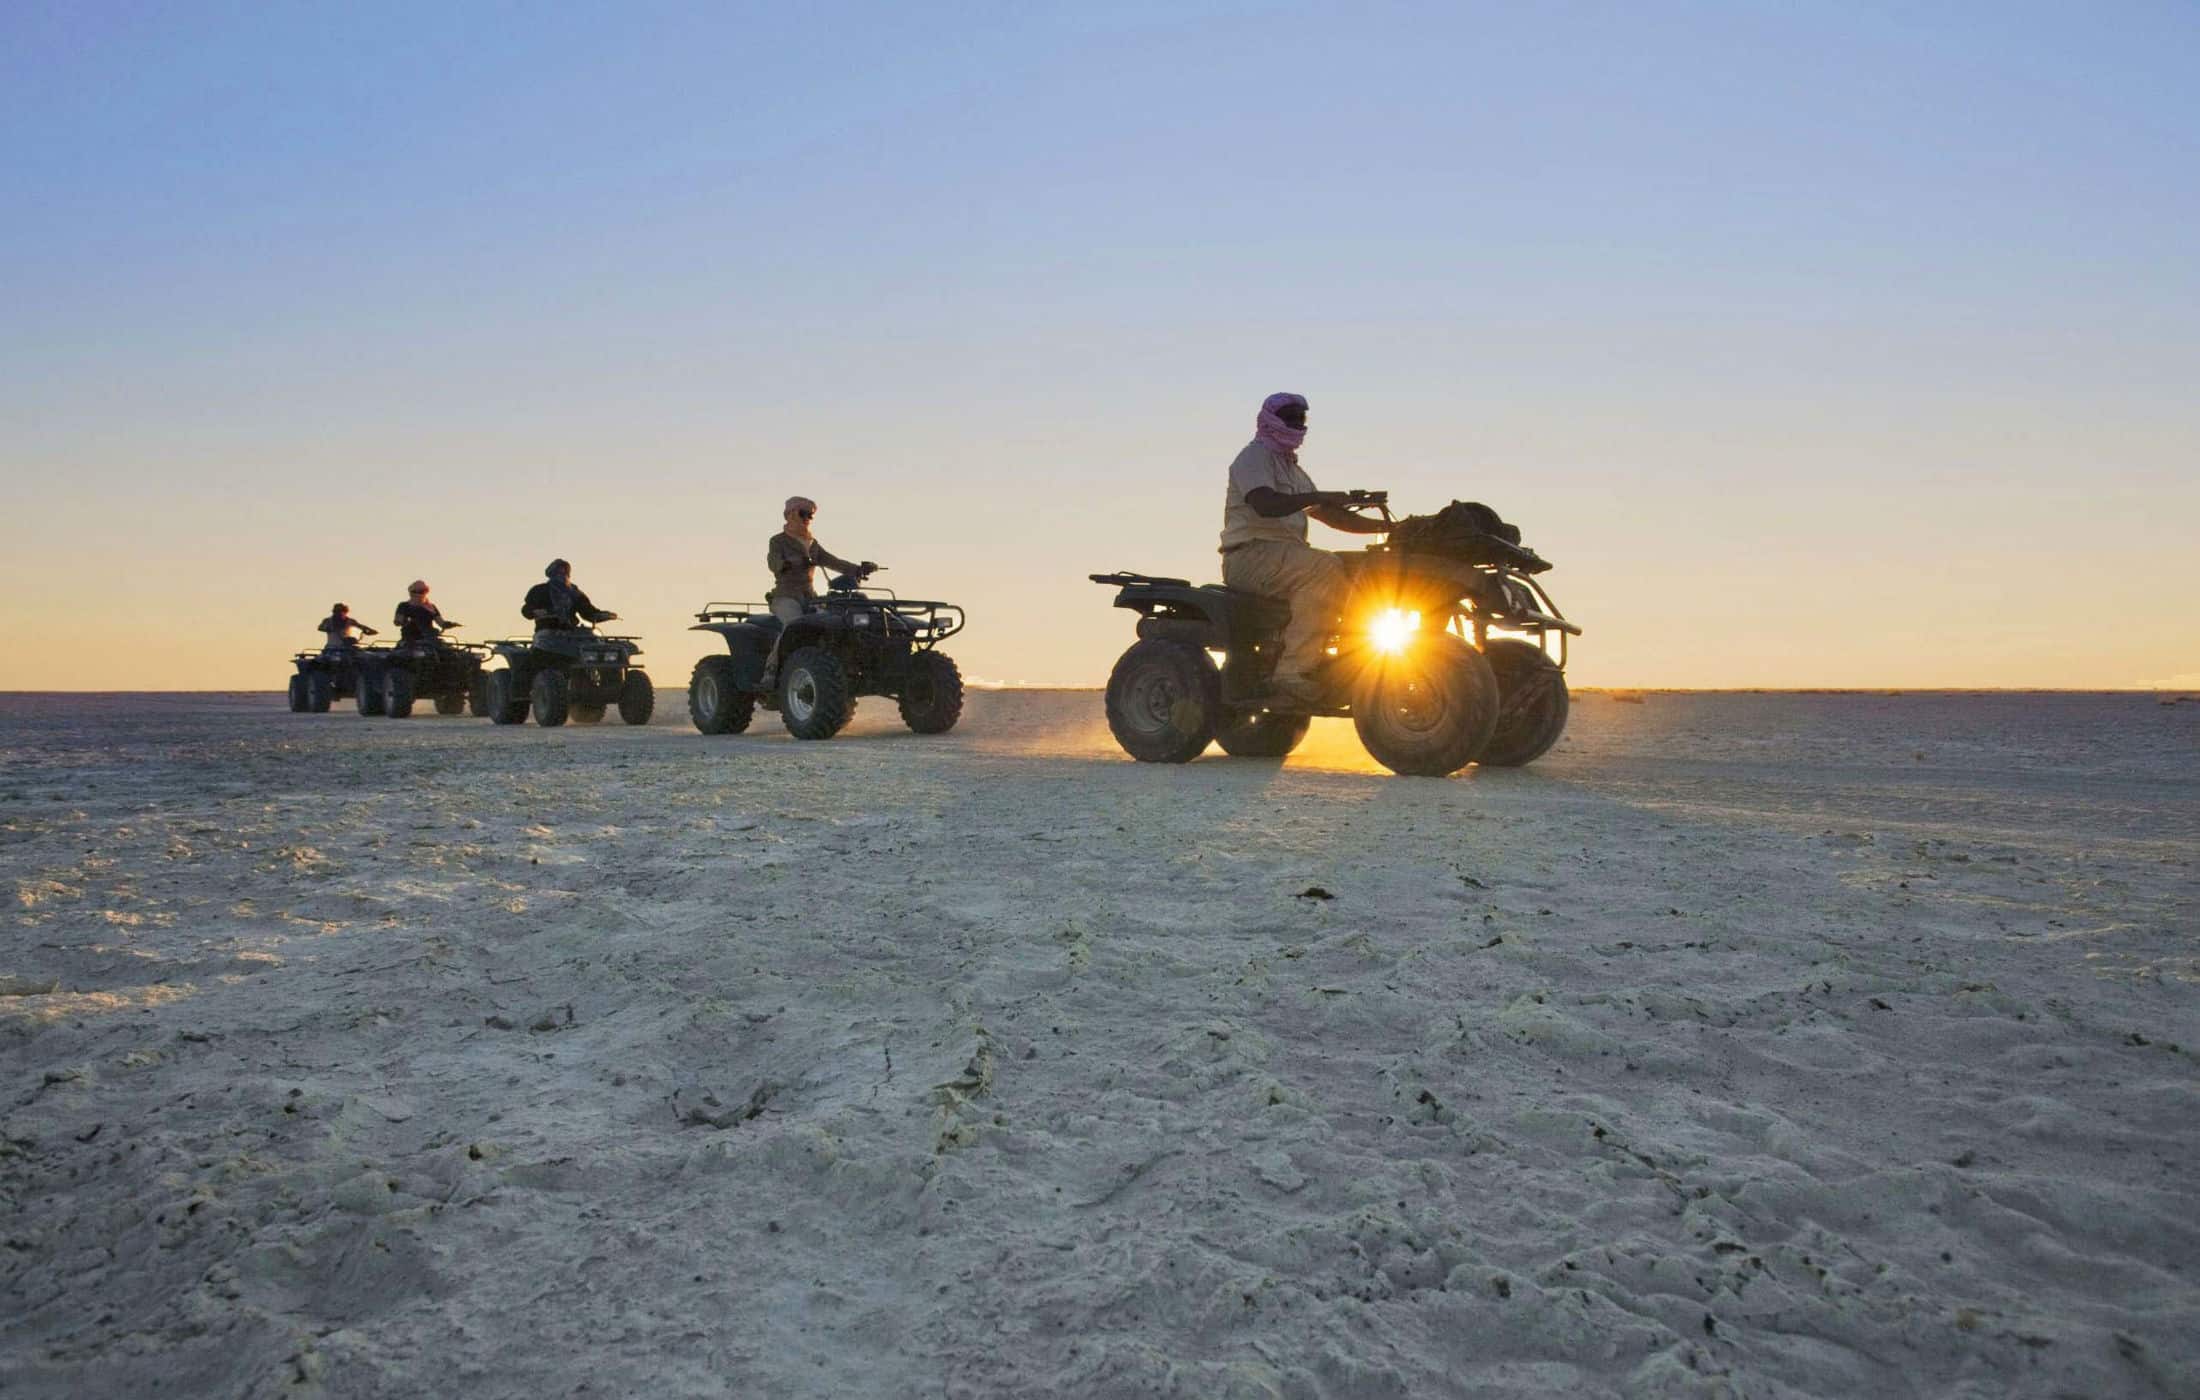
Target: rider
[
  {"x": 1264, "y": 548},
  {"x": 793, "y": 557},
  {"x": 557, "y": 604},
  {"x": 340, "y": 624},
  {"x": 419, "y": 620}
]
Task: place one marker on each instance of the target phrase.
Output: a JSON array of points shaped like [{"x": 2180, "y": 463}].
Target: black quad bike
[
  {"x": 856, "y": 641},
  {"x": 1447, "y": 652},
  {"x": 439, "y": 670},
  {"x": 564, "y": 673},
  {"x": 346, "y": 673}
]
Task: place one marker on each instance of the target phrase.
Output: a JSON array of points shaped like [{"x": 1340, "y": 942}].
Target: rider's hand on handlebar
[{"x": 867, "y": 568}]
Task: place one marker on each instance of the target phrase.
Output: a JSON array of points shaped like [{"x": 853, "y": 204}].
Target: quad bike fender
[{"x": 750, "y": 646}]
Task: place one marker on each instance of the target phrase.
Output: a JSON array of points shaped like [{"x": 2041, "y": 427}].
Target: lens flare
[{"x": 1391, "y": 630}]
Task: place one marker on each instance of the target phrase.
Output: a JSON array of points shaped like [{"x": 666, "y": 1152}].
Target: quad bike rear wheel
[
  {"x": 815, "y": 698},
  {"x": 715, "y": 703},
  {"x": 585, "y": 714},
  {"x": 933, "y": 699},
  {"x": 1164, "y": 701},
  {"x": 299, "y": 701},
  {"x": 477, "y": 695},
  {"x": 552, "y": 697},
  {"x": 1532, "y": 703},
  {"x": 1260, "y": 733},
  {"x": 506, "y": 702},
  {"x": 1429, "y": 710},
  {"x": 320, "y": 693},
  {"x": 637, "y": 698},
  {"x": 397, "y": 693}
]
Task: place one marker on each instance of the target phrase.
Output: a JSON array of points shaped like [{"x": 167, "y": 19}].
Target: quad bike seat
[{"x": 1254, "y": 610}]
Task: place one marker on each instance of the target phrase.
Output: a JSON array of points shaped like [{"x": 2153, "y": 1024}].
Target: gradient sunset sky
[{"x": 1820, "y": 344}]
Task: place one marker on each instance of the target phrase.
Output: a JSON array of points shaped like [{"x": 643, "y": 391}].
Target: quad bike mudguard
[{"x": 750, "y": 644}]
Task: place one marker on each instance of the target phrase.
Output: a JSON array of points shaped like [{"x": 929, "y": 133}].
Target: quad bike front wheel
[
  {"x": 585, "y": 714},
  {"x": 552, "y": 697},
  {"x": 299, "y": 703},
  {"x": 815, "y": 698},
  {"x": 1429, "y": 710},
  {"x": 637, "y": 698},
  {"x": 368, "y": 697},
  {"x": 397, "y": 693},
  {"x": 1532, "y": 703},
  {"x": 1164, "y": 701},
  {"x": 1260, "y": 733},
  {"x": 933, "y": 699},
  {"x": 716, "y": 704},
  {"x": 450, "y": 703},
  {"x": 505, "y": 701}
]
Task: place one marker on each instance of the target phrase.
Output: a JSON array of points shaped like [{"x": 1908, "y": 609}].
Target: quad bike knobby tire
[
  {"x": 320, "y": 693},
  {"x": 552, "y": 697},
  {"x": 504, "y": 701},
  {"x": 477, "y": 696},
  {"x": 299, "y": 702},
  {"x": 1164, "y": 701},
  {"x": 1260, "y": 733},
  {"x": 815, "y": 699},
  {"x": 1532, "y": 703},
  {"x": 1429, "y": 710},
  {"x": 715, "y": 704},
  {"x": 933, "y": 699},
  {"x": 368, "y": 697},
  {"x": 397, "y": 693},
  {"x": 450, "y": 704},
  {"x": 585, "y": 714},
  {"x": 637, "y": 698}
]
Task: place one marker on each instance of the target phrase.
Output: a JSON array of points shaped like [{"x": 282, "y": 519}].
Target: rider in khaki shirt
[{"x": 1264, "y": 548}]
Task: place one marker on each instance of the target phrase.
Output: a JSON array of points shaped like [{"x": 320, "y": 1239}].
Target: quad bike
[
  {"x": 337, "y": 673},
  {"x": 563, "y": 673},
  {"x": 1443, "y": 656},
  {"x": 435, "y": 669},
  {"x": 855, "y": 641}
]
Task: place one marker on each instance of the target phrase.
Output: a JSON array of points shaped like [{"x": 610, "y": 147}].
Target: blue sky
[{"x": 1804, "y": 307}]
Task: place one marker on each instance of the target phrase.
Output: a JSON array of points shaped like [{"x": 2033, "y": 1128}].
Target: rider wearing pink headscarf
[{"x": 1264, "y": 548}]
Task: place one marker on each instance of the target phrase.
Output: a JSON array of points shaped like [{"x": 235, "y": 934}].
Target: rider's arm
[
  {"x": 589, "y": 610},
  {"x": 1268, "y": 501},
  {"x": 1338, "y": 518},
  {"x": 831, "y": 560}
]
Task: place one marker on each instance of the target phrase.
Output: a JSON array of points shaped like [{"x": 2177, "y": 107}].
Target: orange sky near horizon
[{"x": 1818, "y": 346}]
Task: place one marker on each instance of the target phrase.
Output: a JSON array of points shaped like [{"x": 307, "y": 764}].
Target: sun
[{"x": 1391, "y": 629}]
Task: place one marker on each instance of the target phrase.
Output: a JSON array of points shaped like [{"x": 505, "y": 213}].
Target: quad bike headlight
[{"x": 1391, "y": 629}]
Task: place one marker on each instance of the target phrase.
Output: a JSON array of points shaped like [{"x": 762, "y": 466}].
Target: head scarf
[{"x": 1270, "y": 429}]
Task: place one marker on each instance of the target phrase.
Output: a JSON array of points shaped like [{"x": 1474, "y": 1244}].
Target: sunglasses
[{"x": 807, "y": 514}]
